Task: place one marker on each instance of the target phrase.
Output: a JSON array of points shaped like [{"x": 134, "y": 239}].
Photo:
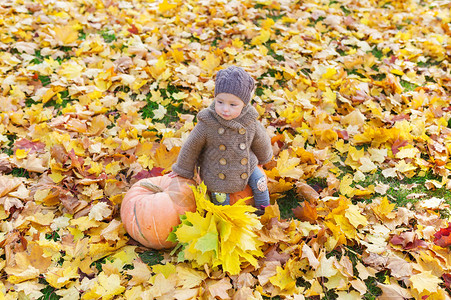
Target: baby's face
[{"x": 228, "y": 106}]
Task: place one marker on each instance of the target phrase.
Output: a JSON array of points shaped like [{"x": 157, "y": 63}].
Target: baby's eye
[
  {"x": 220, "y": 102},
  {"x": 232, "y": 104}
]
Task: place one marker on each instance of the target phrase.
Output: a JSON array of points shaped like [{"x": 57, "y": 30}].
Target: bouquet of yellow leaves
[{"x": 218, "y": 235}]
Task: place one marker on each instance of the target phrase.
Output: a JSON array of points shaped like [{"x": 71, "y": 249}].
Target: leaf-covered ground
[{"x": 95, "y": 95}]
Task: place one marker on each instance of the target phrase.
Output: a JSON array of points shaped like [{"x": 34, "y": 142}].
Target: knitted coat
[{"x": 226, "y": 151}]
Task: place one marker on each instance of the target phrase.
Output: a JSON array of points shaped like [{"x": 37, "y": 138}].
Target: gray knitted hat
[{"x": 234, "y": 80}]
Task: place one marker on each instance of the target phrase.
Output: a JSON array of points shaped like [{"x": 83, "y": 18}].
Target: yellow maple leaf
[
  {"x": 66, "y": 35},
  {"x": 165, "y": 159},
  {"x": 141, "y": 273},
  {"x": 385, "y": 209},
  {"x": 367, "y": 165},
  {"x": 166, "y": 6},
  {"x": 404, "y": 167},
  {"x": 425, "y": 281},
  {"x": 59, "y": 277},
  {"x": 289, "y": 166},
  {"x": 167, "y": 270},
  {"x": 71, "y": 70},
  {"x": 84, "y": 223},
  {"x": 159, "y": 67},
  {"x": 21, "y": 153},
  {"x": 354, "y": 156},
  {"x": 17, "y": 275},
  {"x": 47, "y": 196},
  {"x": 56, "y": 176},
  {"x": 188, "y": 277},
  {"x": 330, "y": 72},
  {"x": 210, "y": 63},
  {"x": 51, "y": 92},
  {"x": 345, "y": 226},
  {"x": 355, "y": 217},
  {"x": 107, "y": 287},
  {"x": 326, "y": 266},
  {"x": 345, "y": 185},
  {"x": 219, "y": 235},
  {"x": 284, "y": 281},
  {"x": 262, "y": 38},
  {"x": 99, "y": 250},
  {"x": 407, "y": 152}
]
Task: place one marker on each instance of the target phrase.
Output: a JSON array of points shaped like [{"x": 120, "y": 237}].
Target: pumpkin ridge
[
  {"x": 156, "y": 232},
  {"x": 137, "y": 224}
]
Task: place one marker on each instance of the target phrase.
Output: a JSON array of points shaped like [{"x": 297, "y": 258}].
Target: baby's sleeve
[
  {"x": 261, "y": 145},
  {"x": 189, "y": 154}
]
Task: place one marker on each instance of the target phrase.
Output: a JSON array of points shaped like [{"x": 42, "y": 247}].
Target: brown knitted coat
[{"x": 226, "y": 151}]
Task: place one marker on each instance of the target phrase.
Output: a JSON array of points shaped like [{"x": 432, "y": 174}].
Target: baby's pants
[{"x": 257, "y": 182}]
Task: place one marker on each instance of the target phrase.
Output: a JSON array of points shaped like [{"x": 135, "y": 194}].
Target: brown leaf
[
  {"x": 447, "y": 280},
  {"x": 408, "y": 240},
  {"x": 273, "y": 255},
  {"x": 359, "y": 285},
  {"x": 140, "y": 273},
  {"x": 98, "y": 125},
  {"x": 29, "y": 145},
  {"x": 37, "y": 259},
  {"x": 8, "y": 184},
  {"x": 245, "y": 293},
  {"x": 307, "y": 192},
  {"x": 58, "y": 152},
  {"x": 306, "y": 212},
  {"x": 375, "y": 260},
  {"x": 308, "y": 253},
  {"x": 244, "y": 280},
  {"x": 5, "y": 165},
  {"x": 399, "y": 267},
  {"x": 393, "y": 292},
  {"x": 69, "y": 202},
  {"x": 398, "y": 144},
  {"x": 346, "y": 266},
  {"x": 219, "y": 288},
  {"x": 268, "y": 270}
]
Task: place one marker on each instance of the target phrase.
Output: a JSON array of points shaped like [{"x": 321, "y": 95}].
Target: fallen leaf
[
  {"x": 219, "y": 288},
  {"x": 306, "y": 212},
  {"x": 425, "y": 281},
  {"x": 393, "y": 291},
  {"x": 442, "y": 237}
]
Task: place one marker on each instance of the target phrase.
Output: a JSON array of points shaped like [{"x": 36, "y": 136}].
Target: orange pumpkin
[
  {"x": 247, "y": 192},
  {"x": 152, "y": 206}
]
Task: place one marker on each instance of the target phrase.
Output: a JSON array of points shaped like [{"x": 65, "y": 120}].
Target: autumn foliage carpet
[{"x": 95, "y": 95}]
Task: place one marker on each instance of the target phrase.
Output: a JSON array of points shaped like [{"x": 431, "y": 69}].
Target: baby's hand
[{"x": 172, "y": 174}]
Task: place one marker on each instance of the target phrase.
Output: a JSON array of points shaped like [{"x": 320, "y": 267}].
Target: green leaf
[{"x": 208, "y": 242}]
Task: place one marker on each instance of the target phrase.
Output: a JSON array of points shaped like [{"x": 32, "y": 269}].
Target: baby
[{"x": 228, "y": 142}]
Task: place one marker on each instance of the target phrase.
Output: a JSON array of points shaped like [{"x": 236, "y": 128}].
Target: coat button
[
  {"x": 221, "y": 176},
  {"x": 244, "y": 161},
  {"x": 221, "y": 130},
  {"x": 222, "y": 147},
  {"x": 242, "y": 131},
  {"x": 223, "y": 161},
  {"x": 242, "y": 146},
  {"x": 244, "y": 176}
]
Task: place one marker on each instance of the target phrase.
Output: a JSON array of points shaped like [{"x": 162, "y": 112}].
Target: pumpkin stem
[{"x": 152, "y": 187}]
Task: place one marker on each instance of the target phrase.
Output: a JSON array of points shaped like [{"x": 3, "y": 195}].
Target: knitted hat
[{"x": 234, "y": 80}]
